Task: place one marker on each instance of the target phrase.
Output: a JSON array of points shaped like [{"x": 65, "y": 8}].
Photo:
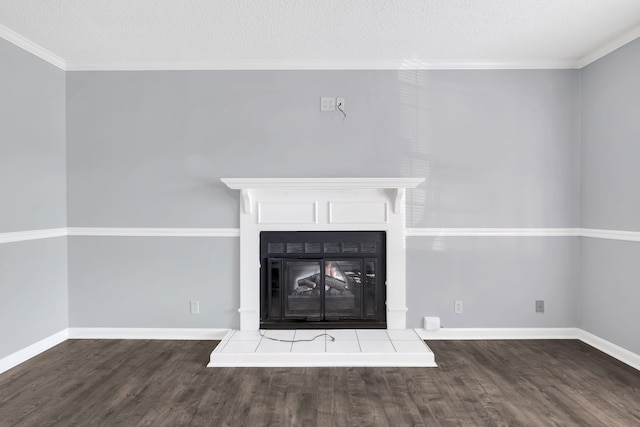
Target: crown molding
[
  {"x": 609, "y": 47},
  {"x": 31, "y": 47},
  {"x": 393, "y": 65},
  {"x": 376, "y": 64}
]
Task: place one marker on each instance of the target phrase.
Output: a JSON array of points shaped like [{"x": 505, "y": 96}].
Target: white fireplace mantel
[
  {"x": 248, "y": 186},
  {"x": 321, "y": 204}
]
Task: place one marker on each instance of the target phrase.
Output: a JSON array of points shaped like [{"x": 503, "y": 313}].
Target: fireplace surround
[{"x": 322, "y": 204}]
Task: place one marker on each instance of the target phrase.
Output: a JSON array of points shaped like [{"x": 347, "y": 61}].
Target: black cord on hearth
[{"x": 262, "y": 334}]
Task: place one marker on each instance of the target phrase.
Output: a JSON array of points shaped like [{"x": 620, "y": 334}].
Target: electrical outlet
[
  {"x": 195, "y": 307},
  {"x": 457, "y": 307},
  {"x": 340, "y": 104},
  {"x": 327, "y": 103},
  {"x": 539, "y": 306}
]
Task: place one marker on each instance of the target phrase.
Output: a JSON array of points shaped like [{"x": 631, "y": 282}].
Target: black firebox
[{"x": 322, "y": 279}]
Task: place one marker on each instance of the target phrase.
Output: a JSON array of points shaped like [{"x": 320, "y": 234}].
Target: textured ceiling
[{"x": 319, "y": 34}]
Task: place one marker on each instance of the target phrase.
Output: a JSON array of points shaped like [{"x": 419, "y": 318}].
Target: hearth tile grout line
[{"x": 391, "y": 341}]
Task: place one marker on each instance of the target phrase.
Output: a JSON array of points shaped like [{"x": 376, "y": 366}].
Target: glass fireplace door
[
  {"x": 303, "y": 289},
  {"x": 343, "y": 289},
  {"x": 323, "y": 289}
]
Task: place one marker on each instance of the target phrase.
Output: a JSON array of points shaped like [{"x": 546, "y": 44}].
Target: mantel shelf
[
  {"x": 265, "y": 183},
  {"x": 247, "y": 186}
]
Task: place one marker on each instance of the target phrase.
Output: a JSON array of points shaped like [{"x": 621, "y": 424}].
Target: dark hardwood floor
[{"x": 166, "y": 383}]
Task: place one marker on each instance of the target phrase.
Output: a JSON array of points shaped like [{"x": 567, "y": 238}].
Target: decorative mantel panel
[{"x": 321, "y": 204}]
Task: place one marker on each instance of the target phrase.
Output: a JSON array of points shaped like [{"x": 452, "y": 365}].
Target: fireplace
[
  {"x": 322, "y": 279},
  {"x": 323, "y": 205}
]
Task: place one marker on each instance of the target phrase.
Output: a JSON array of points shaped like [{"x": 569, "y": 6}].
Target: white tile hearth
[
  {"x": 270, "y": 346},
  {"x": 246, "y": 335},
  {"x": 241, "y": 346},
  {"x": 338, "y": 347},
  {"x": 373, "y": 334},
  {"x": 343, "y": 334},
  {"x": 409, "y": 346},
  {"x": 401, "y": 334},
  {"x": 343, "y": 346},
  {"x": 378, "y": 346},
  {"x": 315, "y": 346}
]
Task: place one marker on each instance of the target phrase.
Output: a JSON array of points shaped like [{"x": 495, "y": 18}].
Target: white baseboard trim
[
  {"x": 613, "y": 350},
  {"x": 498, "y": 333},
  {"x": 148, "y": 333},
  {"x": 34, "y": 349}
]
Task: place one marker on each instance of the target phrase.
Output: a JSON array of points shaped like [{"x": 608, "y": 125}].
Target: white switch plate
[
  {"x": 195, "y": 307},
  {"x": 327, "y": 103},
  {"x": 457, "y": 307}
]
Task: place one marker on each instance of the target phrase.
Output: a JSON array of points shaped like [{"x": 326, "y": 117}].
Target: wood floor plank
[{"x": 166, "y": 383}]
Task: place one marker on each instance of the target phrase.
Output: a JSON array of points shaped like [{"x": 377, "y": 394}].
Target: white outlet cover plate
[
  {"x": 327, "y": 103},
  {"x": 195, "y": 307},
  {"x": 457, "y": 307}
]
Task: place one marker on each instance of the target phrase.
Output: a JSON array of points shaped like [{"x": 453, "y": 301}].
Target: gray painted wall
[
  {"x": 33, "y": 274},
  {"x": 497, "y": 278},
  {"x": 498, "y": 148},
  {"x": 133, "y": 282},
  {"x": 148, "y": 149},
  {"x": 32, "y": 142},
  {"x": 610, "y": 196},
  {"x": 610, "y": 291},
  {"x": 610, "y": 141},
  {"x": 33, "y": 288}
]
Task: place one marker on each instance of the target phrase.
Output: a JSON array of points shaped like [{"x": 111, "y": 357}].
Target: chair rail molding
[{"x": 19, "y": 236}]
